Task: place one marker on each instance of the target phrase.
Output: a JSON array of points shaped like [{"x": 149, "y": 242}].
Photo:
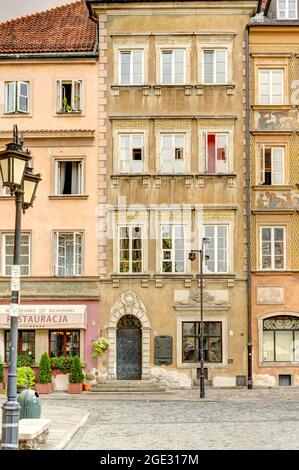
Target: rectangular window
[
  {"x": 8, "y": 254},
  {"x": 26, "y": 343},
  {"x": 64, "y": 343},
  {"x": 217, "y": 248},
  {"x": 173, "y": 249},
  {"x": 287, "y": 9},
  {"x": 272, "y": 248},
  {"x": 216, "y": 152},
  {"x": 173, "y": 65},
  {"x": 17, "y": 97},
  {"x": 131, "y": 67},
  {"x": 131, "y": 153},
  {"x": 271, "y": 86},
  {"x": 69, "y": 177},
  {"x": 69, "y": 98},
  {"x": 69, "y": 254},
  {"x": 281, "y": 346},
  {"x": 272, "y": 165},
  {"x": 212, "y": 341},
  {"x": 173, "y": 149},
  {"x": 214, "y": 66},
  {"x": 130, "y": 249}
]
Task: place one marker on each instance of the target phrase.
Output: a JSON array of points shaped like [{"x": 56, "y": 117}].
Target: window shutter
[
  {"x": 137, "y": 59},
  {"x": 56, "y": 251},
  {"x": 76, "y": 95},
  {"x": 179, "y": 66},
  {"x": 277, "y": 165},
  {"x": 124, "y": 153},
  {"x": 204, "y": 164},
  {"x": 11, "y": 97},
  {"x": 59, "y": 105},
  {"x": 77, "y": 254},
  {"x": 80, "y": 178},
  {"x": 22, "y": 96},
  {"x": 167, "y": 157},
  {"x": 262, "y": 163}
]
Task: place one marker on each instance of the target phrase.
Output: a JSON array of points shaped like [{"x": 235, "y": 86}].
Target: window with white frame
[
  {"x": 17, "y": 97},
  {"x": 281, "y": 339},
  {"x": 287, "y": 9},
  {"x": 217, "y": 248},
  {"x": 131, "y": 67},
  {"x": 173, "y": 249},
  {"x": 271, "y": 86},
  {"x": 173, "y": 67},
  {"x": 69, "y": 177},
  {"x": 215, "y": 66},
  {"x": 172, "y": 153},
  {"x": 215, "y": 152},
  {"x": 131, "y": 153},
  {"x": 69, "y": 96},
  {"x": 130, "y": 249},
  {"x": 272, "y": 164},
  {"x": 68, "y": 253},
  {"x": 8, "y": 254},
  {"x": 4, "y": 190},
  {"x": 272, "y": 248}
]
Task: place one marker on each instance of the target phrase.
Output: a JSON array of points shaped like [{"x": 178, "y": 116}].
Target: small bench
[{"x": 33, "y": 433}]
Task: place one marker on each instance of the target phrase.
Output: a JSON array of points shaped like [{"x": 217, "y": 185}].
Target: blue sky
[{"x": 15, "y": 8}]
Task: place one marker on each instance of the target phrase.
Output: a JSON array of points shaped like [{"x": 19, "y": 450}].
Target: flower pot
[
  {"x": 44, "y": 388},
  {"x": 75, "y": 388},
  {"x": 86, "y": 387}
]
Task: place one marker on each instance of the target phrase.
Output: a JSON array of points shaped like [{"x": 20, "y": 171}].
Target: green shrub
[
  {"x": 44, "y": 371},
  {"x": 1, "y": 373},
  {"x": 76, "y": 375},
  {"x": 99, "y": 346},
  {"x": 25, "y": 377},
  {"x": 24, "y": 359}
]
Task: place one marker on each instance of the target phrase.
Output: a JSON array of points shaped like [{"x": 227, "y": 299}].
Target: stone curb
[{"x": 66, "y": 440}]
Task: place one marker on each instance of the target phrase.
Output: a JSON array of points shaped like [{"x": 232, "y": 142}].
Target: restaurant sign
[{"x": 46, "y": 316}]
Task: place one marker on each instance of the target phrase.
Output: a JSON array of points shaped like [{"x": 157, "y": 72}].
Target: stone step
[{"x": 128, "y": 386}]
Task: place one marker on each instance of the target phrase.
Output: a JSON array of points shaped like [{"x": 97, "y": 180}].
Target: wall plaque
[{"x": 270, "y": 295}]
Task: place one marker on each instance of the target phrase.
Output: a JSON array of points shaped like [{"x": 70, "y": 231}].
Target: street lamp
[
  {"x": 18, "y": 177},
  {"x": 192, "y": 257}
]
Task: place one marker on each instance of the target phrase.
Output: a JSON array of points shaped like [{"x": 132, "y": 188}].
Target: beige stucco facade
[
  {"x": 275, "y": 291},
  {"x": 192, "y": 197}
]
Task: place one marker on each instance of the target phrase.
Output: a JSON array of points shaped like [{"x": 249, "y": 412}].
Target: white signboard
[
  {"x": 15, "y": 277},
  {"x": 46, "y": 316},
  {"x": 270, "y": 295}
]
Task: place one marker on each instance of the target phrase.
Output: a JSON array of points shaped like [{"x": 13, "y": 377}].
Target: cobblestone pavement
[{"x": 258, "y": 420}]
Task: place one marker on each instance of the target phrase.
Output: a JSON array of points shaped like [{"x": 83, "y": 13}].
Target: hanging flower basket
[{"x": 99, "y": 346}]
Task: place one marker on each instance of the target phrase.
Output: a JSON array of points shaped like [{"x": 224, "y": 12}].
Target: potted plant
[
  {"x": 44, "y": 384},
  {"x": 25, "y": 378},
  {"x": 1, "y": 377},
  {"x": 76, "y": 376},
  {"x": 89, "y": 377}
]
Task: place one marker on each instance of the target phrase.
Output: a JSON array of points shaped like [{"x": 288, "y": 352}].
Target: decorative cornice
[{"x": 52, "y": 133}]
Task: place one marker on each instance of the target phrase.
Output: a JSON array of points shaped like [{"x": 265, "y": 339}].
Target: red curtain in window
[{"x": 211, "y": 153}]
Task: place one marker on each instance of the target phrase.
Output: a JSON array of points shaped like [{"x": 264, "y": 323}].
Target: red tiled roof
[{"x": 63, "y": 29}]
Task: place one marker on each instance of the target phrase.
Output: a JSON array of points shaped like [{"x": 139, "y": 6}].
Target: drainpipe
[{"x": 248, "y": 213}]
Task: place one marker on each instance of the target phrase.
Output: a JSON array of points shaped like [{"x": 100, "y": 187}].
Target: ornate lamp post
[
  {"x": 192, "y": 257},
  {"x": 18, "y": 177}
]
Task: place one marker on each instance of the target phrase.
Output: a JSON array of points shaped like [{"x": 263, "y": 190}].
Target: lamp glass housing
[
  {"x": 12, "y": 164},
  {"x": 29, "y": 191},
  {"x": 4, "y": 170}
]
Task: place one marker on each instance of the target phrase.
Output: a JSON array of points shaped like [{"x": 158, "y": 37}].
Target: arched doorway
[{"x": 129, "y": 348}]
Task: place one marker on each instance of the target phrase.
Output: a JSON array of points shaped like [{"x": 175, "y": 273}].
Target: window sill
[
  {"x": 273, "y": 210},
  {"x": 130, "y": 276},
  {"x": 173, "y": 276},
  {"x": 18, "y": 115},
  {"x": 217, "y": 175},
  {"x": 126, "y": 175},
  {"x": 69, "y": 113},
  {"x": 270, "y": 272},
  {"x": 217, "y": 275},
  {"x": 279, "y": 364},
  {"x": 68, "y": 196},
  {"x": 277, "y": 187},
  {"x": 6, "y": 198},
  {"x": 273, "y": 107}
]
